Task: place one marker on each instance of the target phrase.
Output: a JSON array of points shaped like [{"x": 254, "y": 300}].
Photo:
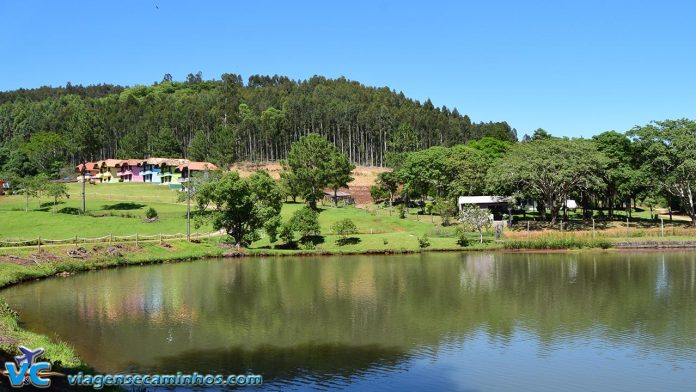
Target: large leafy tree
[
  {"x": 445, "y": 172},
  {"x": 549, "y": 170},
  {"x": 621, "y": 177},
  {"x": 233, "y": 205},
  {"x": 46, "y": 151},
  {"x": 668, "y": 151},
  {"x": 426, "y": 172},
  {"x": 467, "y": 168},
  {"x": 389, "y": 182},
  {"x": 492, "y": 147},
  {"x": 269, "y": 202}
]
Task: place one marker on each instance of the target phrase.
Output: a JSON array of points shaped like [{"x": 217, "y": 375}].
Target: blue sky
[{"x": 572, "y": 68}]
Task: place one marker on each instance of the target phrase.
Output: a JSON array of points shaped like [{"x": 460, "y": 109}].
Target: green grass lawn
[
  {"x": 116, "y": 209},
  {"x": 119, "y": 209}
]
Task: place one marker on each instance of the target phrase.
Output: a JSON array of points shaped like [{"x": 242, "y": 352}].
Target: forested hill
[{"x": 222, "y": 121}]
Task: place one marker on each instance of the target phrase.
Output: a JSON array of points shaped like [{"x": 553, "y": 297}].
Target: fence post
[
  {"x": 137, "y": 241},
  {"x": 75, "y": 240},
  {"x": 528, "y": 229},
  {"x": 593, "y": 228},
  {"x": 662, "y": 227},
  {"x": 160, "y": 238},
  {"x": 39, "y": 242},
  {"x": 627, "y": 226}
]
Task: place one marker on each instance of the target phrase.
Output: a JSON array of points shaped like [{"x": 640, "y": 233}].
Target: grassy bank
[{"x": 557, "y": 242}]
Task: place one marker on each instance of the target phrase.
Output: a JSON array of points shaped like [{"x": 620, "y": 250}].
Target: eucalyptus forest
[{"x": 222, "y": 121}]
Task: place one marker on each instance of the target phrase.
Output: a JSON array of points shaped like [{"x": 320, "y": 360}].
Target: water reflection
[{"x": 344, "y": 320}]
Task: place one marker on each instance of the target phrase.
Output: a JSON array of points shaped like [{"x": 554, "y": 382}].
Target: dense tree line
[
  {"x": 654, "y": 164},
  {"x": 222, "y": 121}
]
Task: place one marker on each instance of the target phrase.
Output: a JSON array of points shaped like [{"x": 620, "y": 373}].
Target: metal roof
[{"x": 483, "y": 200}]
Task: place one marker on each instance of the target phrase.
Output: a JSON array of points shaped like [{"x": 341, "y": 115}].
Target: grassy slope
[
  {"x": 115, "y": 208},
  {"x": 119, "y": 209}
]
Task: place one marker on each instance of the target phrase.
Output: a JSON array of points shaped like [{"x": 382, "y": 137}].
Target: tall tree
[
  {"x": 548, "y": 170},
  {"x": 310, "y": 161},
  {"x": 668, "y": 150},
  {"x": 339, "y": 174},
  {"x": 232, "y": 204}
]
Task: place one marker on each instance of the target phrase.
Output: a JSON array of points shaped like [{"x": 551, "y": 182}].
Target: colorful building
[
  {"x": 108, "y": 170},
  {"x": 91, "y": 171},
  {"x": 166, "y": 171},
  {"x": 161, "y": 170},
  {"x": 190, "y": 168},
  {"x": 150, "y": 172},
  {"x": 130, "y": 170}
]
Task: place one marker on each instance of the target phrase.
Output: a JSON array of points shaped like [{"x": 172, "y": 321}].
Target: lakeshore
[
  {"x": 23, "y": 265},
  {"x": 238, "y": 312},
  {"x": 117, "y": 210}
]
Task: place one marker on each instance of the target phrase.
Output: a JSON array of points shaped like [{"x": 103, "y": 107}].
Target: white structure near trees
[{"x": 475, "y": 218}]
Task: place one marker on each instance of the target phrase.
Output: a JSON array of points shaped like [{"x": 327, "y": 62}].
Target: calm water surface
[{"x": 432, "y": 322}]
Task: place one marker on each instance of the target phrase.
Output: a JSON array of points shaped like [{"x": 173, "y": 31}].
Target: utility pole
[
  {"x": 84, "y": 171},
  {"x": 188, "y": 203}
]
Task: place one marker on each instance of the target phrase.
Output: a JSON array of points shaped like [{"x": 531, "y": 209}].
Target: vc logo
[{"x": 27, "y": 371}]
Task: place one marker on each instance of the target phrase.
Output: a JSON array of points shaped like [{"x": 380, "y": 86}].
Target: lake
[{"x": 430, "y": 322}]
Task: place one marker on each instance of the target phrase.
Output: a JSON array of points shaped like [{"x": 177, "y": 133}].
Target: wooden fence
[{"x": 108, "y": 239}]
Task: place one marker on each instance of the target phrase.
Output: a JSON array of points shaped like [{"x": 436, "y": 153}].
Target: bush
[
  {"x": 462, "y": 239},
  {"x": 306, "y": 221},
  {"x": 6, "y": 310},
  {"x": 402, "y": 211},
  {"x": 423, "y": 242},
  {"x": 287, "y": 233},
  {"x": 271, "y": 227},
  {"x": 344, "y": 228},
  {"x": 151, "y": 213}
]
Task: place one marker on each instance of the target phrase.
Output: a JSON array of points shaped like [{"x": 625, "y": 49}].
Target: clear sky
[{"x": 574, "y": 68}]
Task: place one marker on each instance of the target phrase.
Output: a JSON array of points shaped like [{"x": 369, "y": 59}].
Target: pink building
[{"x": 130, "y": 170}]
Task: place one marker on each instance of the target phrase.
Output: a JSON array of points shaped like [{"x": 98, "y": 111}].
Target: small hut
[{"x": 341, "y": 197}]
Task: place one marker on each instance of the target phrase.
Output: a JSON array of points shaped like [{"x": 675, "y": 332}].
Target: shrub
[
  {"x": 287, "y": 233},
  {"x": 306, "y": 221},
  {"x": 6, "y": 310},
  {"x": 385, "y": 241},
  {"x": 271, "y": 227},
  {"x": 462, "y": 239},
  {"x": 423, "y": 242},
  {"x": 344, "y": 228},
  {"x": 151, "y": 213},
  {"x": 402, "y": 211}
]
